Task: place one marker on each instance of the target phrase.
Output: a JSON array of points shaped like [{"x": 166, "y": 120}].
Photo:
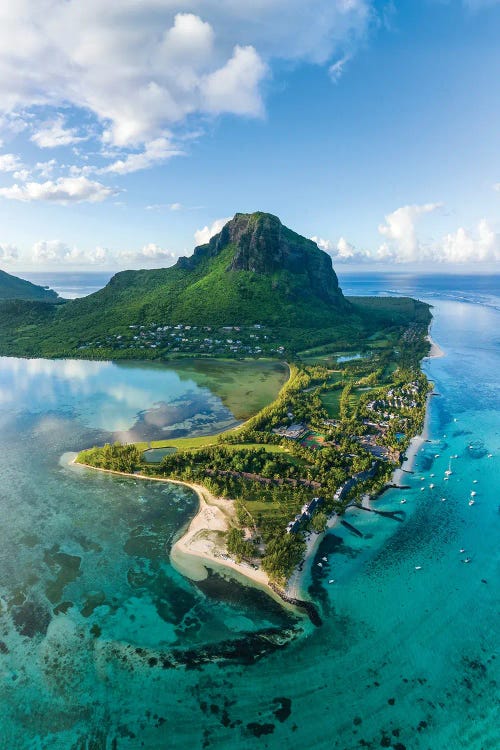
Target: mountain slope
[
  {"x": 12, "y": 287},
  {"x": 254, "y": 271}
]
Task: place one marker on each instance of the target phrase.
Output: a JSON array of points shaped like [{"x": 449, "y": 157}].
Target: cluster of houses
[
  {"x": 235, "y": 340},
  {"x": 394, "y": 401}
]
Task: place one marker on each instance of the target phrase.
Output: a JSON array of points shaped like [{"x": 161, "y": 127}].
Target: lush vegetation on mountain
[{"x": 256, "y": 289}]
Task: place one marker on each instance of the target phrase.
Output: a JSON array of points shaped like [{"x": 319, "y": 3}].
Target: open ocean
[{"x": 104, "y": 645}]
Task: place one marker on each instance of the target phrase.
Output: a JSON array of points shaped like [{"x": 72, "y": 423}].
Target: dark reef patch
[
  {"x": 283, "y": 710},
  {"x": 260, "y": 729},
  {"x": 31, "y": 619}
]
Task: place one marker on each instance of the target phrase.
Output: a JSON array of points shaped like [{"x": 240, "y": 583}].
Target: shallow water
[{"x": 405, "y": 658}]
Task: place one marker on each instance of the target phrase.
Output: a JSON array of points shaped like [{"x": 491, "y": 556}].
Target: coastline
[
  {"x": 435, "y": 350},
  {"x": 295, "y": 586},
  {"x": 200, "y": 542}
]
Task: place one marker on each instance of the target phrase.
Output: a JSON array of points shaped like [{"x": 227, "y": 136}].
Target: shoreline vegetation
[{"x": 341, "y": 430}]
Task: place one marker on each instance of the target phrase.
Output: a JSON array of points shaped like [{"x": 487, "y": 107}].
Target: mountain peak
[{"x": 262, "y": 245}]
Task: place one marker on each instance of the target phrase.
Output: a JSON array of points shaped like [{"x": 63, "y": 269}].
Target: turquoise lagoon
[{"x": 104, "y": 645}]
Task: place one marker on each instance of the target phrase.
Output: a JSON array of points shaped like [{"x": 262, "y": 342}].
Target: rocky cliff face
[{"x": 262, "y": 245}]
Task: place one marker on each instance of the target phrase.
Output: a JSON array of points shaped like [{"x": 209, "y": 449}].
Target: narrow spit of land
[{"x": 268, "y": 490}]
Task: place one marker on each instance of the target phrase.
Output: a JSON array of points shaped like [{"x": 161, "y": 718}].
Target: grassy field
[{"x": 194, "y": 443}]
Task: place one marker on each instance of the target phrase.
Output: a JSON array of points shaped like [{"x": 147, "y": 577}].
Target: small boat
[
  {"x": 436, "y": 455},
  {"x": 403, "y": 501},
  {"x": 422, "y": 479},
  {"x": 325, "y": 559},
  {"x": 473, "y": 493},
  {"x": 443, "y": 499},
  {"x": 422, "y": 489},
  {"x": 448, "y": 470},
  {"x": 472, "y": 502},
  {"x": 467, "y": 560},
  {"x": 332, "y": 580},
  {"x": 320, "y": 565},
  {"x": 418, "y": 567},
  {"x": 474, "y": 481},
  {"x": 431, "y": 486},
  {"x": 490, "y": 455},
  {"x": 462, "y": 550},
  {"x": 445, "y": 479}
]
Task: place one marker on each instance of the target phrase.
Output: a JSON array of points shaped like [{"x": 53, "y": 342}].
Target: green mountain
[
  {"x": 255, "y": 272},
  {"x": 11, "y": 287}
]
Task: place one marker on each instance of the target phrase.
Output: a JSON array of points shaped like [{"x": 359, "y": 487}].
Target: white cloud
[
  {"x": 54, "y": 133},
  {"x": 236, "y": 82},
  {"x": 8, "y": 253},
  {"x": 463, "y": 247},
  {"x": 45, "y": 168},
  {"x": 63, "y": 190},
  {"x": 342, "y": 251},
  {"x": 149, "y": 253},
  {"x": 336, "y": 70},
  {"x": 57, "y": 253},
  {"x": 202, "y": 236},
  {"x": 46, "y": 252},
  {"x": 9, "y": 163},
  {"x": 399, "y": 230},
  {"x": 142, "y": 67},
  {"x": 155, "y": 152},
  {"x": 22, "y": 175}
]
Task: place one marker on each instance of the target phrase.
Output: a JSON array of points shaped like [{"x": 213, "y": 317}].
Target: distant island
[
  {"x": 338, "y": 429},
  {"x": 14, "y": 288}
]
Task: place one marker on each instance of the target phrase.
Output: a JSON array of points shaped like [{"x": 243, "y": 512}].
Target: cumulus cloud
[
  {"x": 237, "y": 81},
  {"x": 463, "y": 246},
  {"x": 400, "y": 232},
  {"x": 57, "y": 252},
  {"x": 63, "y": 190},
  {"x": 202, "y": 236},
  {"x": 54, "y": 133},
  {"x": 45, "y": 168},
  {"x": 8, "y": 253},
  {"x": 161, "y": 65},
  {"x": 22, "y": 175},
  {"x": 150, "y": 254},
  {"x": 342, "y": 251},
  {"x": 155, "y": 152},
  {"x": 9, "y": 163}
]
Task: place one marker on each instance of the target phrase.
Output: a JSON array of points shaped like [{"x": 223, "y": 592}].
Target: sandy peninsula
[{"x": 203, "y": 541}]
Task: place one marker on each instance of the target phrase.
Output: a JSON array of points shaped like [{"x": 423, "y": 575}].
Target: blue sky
[{"x": 131, "y": 130}]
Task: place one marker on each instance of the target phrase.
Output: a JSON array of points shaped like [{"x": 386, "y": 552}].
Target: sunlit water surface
[{"x": 103, "y": 642}]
